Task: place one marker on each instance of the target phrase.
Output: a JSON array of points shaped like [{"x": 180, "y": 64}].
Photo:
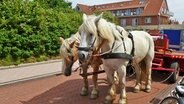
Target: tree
[{"x": 108, "y": 16}]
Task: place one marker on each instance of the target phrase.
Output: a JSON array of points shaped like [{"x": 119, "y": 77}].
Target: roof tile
[{"x": 151, "y": 7}]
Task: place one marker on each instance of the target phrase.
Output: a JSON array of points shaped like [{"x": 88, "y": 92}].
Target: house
[{"x": 134, "y": 12}]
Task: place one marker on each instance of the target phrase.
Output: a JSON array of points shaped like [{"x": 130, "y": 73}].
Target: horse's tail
[{"x": 151, "y": 50}]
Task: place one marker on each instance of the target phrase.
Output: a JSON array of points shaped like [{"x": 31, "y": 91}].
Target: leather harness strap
[
  {"x": 116, "y": 56},
  {"x": 111, "y": 55},
  {"x": 133, "y": 45}
]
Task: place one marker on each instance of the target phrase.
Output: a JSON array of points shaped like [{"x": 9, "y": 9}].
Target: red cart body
[{"x": 167, "y": 59}]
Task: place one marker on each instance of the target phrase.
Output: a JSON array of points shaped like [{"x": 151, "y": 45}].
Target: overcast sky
[{"x": 175, "y": 6}]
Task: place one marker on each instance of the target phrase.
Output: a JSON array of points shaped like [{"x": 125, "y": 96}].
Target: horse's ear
[
  {"x": 72, "y": 44},
  {"x": 61, "y": 40},
  {"x": 84, "y": 16},
  {"x": 98, "y": 18}
]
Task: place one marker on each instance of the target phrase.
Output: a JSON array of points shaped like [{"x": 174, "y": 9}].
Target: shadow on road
[{"x": 68, "y": 92}]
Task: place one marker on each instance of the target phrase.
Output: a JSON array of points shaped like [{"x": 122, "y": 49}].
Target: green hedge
[{"x": 30, "y": 29}]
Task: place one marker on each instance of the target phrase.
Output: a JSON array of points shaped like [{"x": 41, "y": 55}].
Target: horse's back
[
  {"x": 143, "y": 34},
  {"x": 143, "y": 43}
]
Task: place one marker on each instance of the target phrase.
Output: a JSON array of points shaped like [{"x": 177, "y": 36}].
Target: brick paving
[{"x": 65, "y": 90}]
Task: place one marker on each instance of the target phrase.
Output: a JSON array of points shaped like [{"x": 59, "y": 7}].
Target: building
[{"x": 134, "y": 12}]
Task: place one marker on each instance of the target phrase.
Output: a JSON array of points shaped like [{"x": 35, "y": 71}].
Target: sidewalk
[{"x": 13, "y": 74}]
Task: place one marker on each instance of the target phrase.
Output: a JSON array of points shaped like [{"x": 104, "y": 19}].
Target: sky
[{"x": 175, "y": 6}]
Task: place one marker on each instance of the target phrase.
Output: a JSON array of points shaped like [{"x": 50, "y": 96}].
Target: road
[{"x": 59, "y": 89}]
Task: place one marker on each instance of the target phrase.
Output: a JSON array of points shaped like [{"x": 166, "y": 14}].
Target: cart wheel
[
  {"x": 170, "y": 100},
  {"x": 175, "y": 74}
]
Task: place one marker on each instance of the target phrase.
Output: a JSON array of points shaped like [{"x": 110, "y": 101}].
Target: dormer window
[{"x": 141, "y": 1}]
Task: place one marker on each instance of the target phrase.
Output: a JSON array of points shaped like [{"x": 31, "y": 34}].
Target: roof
[
  {"x": 151, "y": 7},
  {"x": 84, "y": 8}
]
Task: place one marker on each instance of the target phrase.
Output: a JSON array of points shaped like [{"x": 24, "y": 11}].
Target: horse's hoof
[
  {"x": 108, "y": 102},
  {"x": 136, "y": 90},
  {"x": 148, "y": 90},
  {"x": 122, "y": 101},
  {"x": 94, "y": 96},
  {"x": 84, "y": 93}
]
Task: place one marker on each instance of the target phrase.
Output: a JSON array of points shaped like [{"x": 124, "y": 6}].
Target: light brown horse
[{"x": 69, "y": 53}]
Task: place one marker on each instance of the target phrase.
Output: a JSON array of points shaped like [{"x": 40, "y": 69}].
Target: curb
[
  {"x": 30, "y": 64},
  {"x": 13, "y": 74}
]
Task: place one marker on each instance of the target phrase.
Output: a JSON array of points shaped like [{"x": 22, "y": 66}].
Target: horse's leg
[
  {"x": 95, "y": 92},
  {"x": 138, "y": 78},
  {"x": 84, "y": 91},
  {"x": 112, "y": 91},
  {"x": 148, "y": 62},
  {"x": 122, "y": 85}
]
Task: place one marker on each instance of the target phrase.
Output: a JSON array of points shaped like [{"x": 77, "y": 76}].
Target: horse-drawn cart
[{"x": 167, "y": 59}]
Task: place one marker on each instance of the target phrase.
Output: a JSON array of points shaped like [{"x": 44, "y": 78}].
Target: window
[
  {"x": 123, "y": 22},
  {"x": 123, "y": 13},
  {"x": 114, "y": 13},
  {"x": 141, "y": 1},
  {"x": 133, "y": 12},
  {"x": 139, "y": 11},
  {"x": 118, "y": 13},
  {"x": 134, "y": 22},
  {"x": 147, "y": 20}
]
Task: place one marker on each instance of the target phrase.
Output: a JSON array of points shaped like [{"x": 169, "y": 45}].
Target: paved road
[{"x": 65, "y": 90}]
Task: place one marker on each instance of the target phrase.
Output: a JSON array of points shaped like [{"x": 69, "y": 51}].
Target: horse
[
  {"x": 118, "y": 49},
  {"x": 69, "y": 53}
]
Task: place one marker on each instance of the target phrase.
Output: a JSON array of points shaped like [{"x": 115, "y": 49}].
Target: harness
[
  {"x": 107, "y": 55},
  {"x": 124, "y": 55}
]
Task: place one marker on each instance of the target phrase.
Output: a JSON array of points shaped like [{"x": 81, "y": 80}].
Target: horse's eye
[
  {"x": 79, "y": 33},
  {"x": 68, "y": 51},
  {"x": 90, "y": 35}
]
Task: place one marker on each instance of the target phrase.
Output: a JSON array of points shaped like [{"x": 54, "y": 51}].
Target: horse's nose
[{"x": 81, "y": 56}]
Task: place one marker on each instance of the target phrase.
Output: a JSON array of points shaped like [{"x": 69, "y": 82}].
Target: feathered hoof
[
  {"x": 123, "y": 101},
  {"x": 94, "y": 96},
  {"x": 148, "y": 90},
  {"x": 84, "y": 93},
  {"x": 108, "y": 102},
  {"x": 136, "y": 90}
]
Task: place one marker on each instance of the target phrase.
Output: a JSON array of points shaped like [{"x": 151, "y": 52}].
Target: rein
[{"x": 88, "y": 62}]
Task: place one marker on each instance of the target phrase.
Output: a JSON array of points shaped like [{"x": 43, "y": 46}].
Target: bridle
[
  {"x": 87, "y": 49},
  {"x": 71, "y": 56}
]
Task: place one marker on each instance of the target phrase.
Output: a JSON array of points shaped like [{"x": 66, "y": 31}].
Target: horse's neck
[{"x": 122, "y": 31}]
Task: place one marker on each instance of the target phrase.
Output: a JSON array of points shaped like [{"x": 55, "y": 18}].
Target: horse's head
[
  {"x": 88, "y": 32},
  {"x": 69, "y": 53}
]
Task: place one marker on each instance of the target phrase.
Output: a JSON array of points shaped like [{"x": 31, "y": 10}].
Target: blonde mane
[
  {"x": 110, "y": 31},
  {"x": 106, "y": 30}
]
